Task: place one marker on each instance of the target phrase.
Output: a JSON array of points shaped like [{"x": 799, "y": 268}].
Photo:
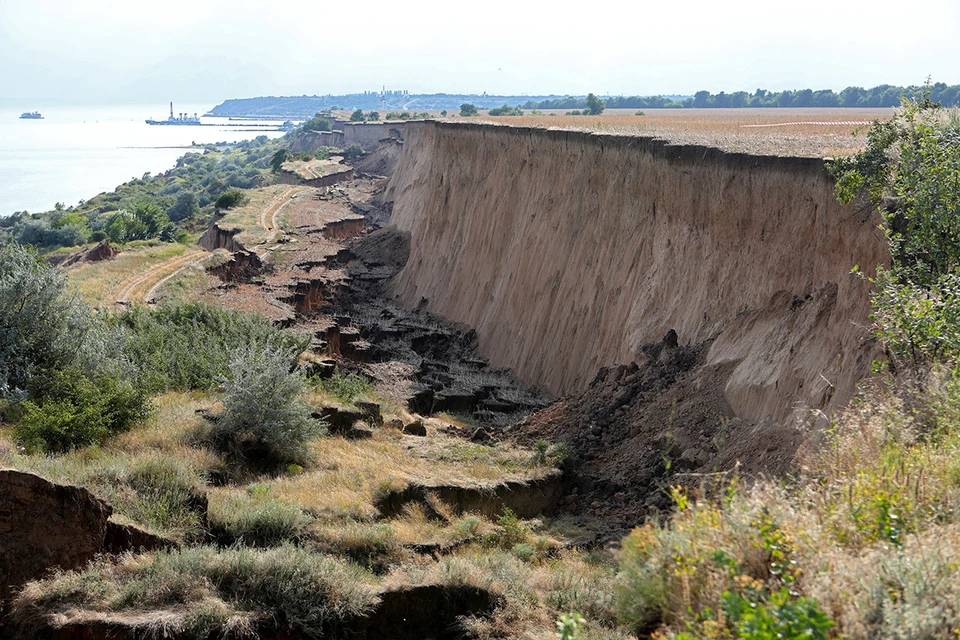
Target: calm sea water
[{"x": 76, "y": 152}]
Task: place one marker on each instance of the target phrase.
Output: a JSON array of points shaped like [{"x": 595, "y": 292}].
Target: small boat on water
[
  {"x": 182, "y": 119},
  {"x": 31, "y": 115}
]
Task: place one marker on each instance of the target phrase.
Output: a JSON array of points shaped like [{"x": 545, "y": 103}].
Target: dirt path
[
  {"x": 144, "y": 286},
  {"x": 268, "y": 217}
]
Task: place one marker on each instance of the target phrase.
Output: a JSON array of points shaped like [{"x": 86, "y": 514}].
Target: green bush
[
  {"x": 230, "y": 199},
  {"x": 346, "y": 387},
  {"x": 256, "y": 519},
  {"x": 74, "y": 411},
  {"x": 44, "y": 328},
  {"x": 506, "y": 110},
  {"x": 353, "y": 151},
  {"x": 264, "y": 418},
  {"x": 183, "y": 346},
  {"x": 467, "y": 109}
]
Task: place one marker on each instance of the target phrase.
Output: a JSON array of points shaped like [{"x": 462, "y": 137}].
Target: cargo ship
[
  {"x": 31, "y": 115},
  {"x": 181, "y": 119}
]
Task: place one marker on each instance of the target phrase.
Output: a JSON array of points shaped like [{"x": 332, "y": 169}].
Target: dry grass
[
  {"x": 309, "y": 169},
  {"x": 102, "y": 283},
  {"x": 869, "y": 535},
  {"x": 254, "y": 218},
  {"x": 349, "y": 475},
  {"x": 728, "y": 129}
]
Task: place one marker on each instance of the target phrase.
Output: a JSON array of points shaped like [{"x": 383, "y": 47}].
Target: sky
[{"x": 107, "y": 51}]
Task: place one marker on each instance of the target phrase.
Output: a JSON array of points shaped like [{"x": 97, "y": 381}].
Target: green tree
[
  {"x": 595, "y": 105},
  {"x": 467, "y": 109},
  {"x": 124, "y": 226},
  {"x": 185, "y": 207},
  {"x": 153, "y": 217},
  {"x": 353, "y": 151},
  {"x": 373, "y": 116},
  {"x": 357, "y": 116},
  {"x": 229, "y": 199},
  {"x": 278, "y": 159}
]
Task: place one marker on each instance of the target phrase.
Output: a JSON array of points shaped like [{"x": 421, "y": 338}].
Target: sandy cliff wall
[{"x": 568, "y": 251}]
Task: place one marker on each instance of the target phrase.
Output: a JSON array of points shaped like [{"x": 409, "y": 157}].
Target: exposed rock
[
  {"x": 421, "y": 402},
  {"x": 371, "y": 412},
  {"x": 415, "y": 428},
  {"x": 480, "y": 435},
  {"x": 121, "y": 538},
  {"x": 338, "y": 419},
  {"x": 45, "y": 525},
  {"x": 396, "y": 423},
  {"x": 428, "y": 611},
  {"x": 526, "y": 499}
]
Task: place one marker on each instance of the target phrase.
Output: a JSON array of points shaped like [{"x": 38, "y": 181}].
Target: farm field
[{"x": 814, "y": 133}]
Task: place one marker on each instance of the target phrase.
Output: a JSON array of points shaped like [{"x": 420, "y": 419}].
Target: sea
[{"x": 77, "y": 152}]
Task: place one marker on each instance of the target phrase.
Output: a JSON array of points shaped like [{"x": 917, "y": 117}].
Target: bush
[
  {"x": 317, "y": 123},
  {"x": 346, "y": 387},
  {"x": 353, "y": 151},
  {"x": 219, "y": 593},
  {"x": 74, "y": 411},
  {"x": 506, "y": 111},
  {"x": 43, "y": 327},
  {"x": 264, "y": 419},
  {"x": 183, "y": 346},
  {"x": 229, "y": 199},
  {"x": 255, "y": 519},
  {"x": 467, "y": 109}
]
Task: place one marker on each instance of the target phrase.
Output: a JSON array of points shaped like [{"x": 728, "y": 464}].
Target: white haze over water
[{"x": 78, "y": 152}]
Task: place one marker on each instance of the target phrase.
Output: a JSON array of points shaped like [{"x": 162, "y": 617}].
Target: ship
[
  {"x": 180, "y": 119},
  {"x": 31, "y": 115}
]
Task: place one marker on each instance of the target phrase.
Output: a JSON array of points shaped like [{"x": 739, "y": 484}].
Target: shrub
[
  {"x": 346, "y": 387},
  {"x": 264, "y": 419},
  {"x": 317, "y": 123},
  {"x": 74, "y": 411},
  {"x": 228, "y": 591},
  {"x": 353, "y": 151},
  {"x": 467, "y": 109},
  {"x": 506, "y": 110},
  {"x": 255, "y": 519},
  {"x": 229, "y": 199},
  {"x": 44, "y": 328},
  {"x": 183, "y": 346}
]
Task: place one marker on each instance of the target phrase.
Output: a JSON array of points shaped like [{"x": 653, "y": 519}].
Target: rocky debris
[
  {"x": 316, "y": 366},
  {"x": 527, "y": 499},
  {"x": 371, "y": 412},
  {"x": 45, "y": 526},
  {"x": 641, "y": 427},
  {"x": 395, "y": 423},
  {"x": 415, "y": 428},
  {"x": 339, "y": 420},
  {"x": 480, "y": 435}
]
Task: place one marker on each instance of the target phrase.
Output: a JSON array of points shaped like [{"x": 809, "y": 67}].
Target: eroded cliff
[{"x": 568, "y": 251}]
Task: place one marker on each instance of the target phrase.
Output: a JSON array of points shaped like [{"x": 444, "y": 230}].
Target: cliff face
[{"x": 568, "y": 251}]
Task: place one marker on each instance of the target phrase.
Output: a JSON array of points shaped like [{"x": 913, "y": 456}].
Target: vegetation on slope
[{"x": 861, "y": 544}]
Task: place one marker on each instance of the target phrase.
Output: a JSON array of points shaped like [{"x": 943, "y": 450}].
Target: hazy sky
[{"x": 210, "y": 50}]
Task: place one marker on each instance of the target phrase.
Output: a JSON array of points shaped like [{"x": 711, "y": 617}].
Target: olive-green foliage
[
  {"x": 409, "y": 115},
  {"x": 914, "y": 161},
  {"x": 317, "y": 123},
  {"x": 506, "y": 110},
  {"x": 911, "y": 170},
  {"x": 255, "y": 519},
  {"x": 230, "y": 199},
  {"x": 595, "y": 105},
  {"x": 202, "y": 176},
  {"x": 346, "y": 387},
  {"x": 353, "y": 151},
  {"x": 182, "y": 346},
  {"x": 72, "y": 410},
  {"x": 213, "y": 589},
  {"x": 265, "y": 420},
  {"x": 45, "y": 328},
  {"x": 278, "y": 158},
  {"x": 467, "y": 109}
]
